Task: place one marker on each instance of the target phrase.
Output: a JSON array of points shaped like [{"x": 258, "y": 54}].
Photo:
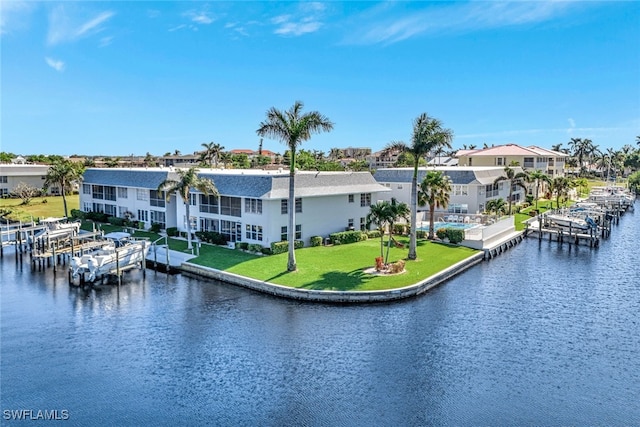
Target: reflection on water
[{"x": 540, "y": 335}]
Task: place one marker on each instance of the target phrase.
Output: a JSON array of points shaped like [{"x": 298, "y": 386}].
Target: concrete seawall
[{"x": 333, "y": 296}]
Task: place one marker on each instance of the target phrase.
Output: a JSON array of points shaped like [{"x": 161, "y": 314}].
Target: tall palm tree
[
  {"x": 380, "y": 214},
  {"x": 187, "y": 179},
  {"x": 63, "y": 173},
  {"x": 434, "y": 191},
  {"x": 428, "y": 135},
  {"x": 292, "y": 128},
  {"x": 208, "y": 152},
  {"x": 580, "y": 149},
  {"x": 514, "y": 178},
  {"x": 538, "y": 177}
]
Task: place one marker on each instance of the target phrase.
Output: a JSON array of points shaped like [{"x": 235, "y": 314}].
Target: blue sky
[{"x": 120, "y": 78}]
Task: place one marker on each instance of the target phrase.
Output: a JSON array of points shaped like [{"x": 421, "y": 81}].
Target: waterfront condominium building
[
  {"x": 252, "y": 207},
  {"x": 471, "y": 186}
]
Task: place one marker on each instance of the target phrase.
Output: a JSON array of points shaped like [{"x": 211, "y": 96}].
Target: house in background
[
  {"x": 471, "y": 186},
  {"x": 252, "y": 207},
  {"x": 528, "y": 158},
  {"x": 11, "y": 175}
]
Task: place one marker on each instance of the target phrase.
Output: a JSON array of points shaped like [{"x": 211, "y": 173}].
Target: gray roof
[
  {"x": 457, "y": 175},
  {"x": 250, "y": 184},
  {"x": 119, "y": 177}
]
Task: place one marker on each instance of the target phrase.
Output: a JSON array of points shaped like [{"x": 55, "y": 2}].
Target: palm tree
[
  {"x": 211, "y": 153},
  {"x": 380, "y": 214},
  {"x": 580, "y": 148},
  {"x": 188, "y": 179},
  {"x": 292, "y": 128},
  {"x": 428, "y": 135},
  {"x": 434, "y": 191},
  {"x": 514, "y": 179},
  {"x": 560, "y": 187},
  {"x": 396, "y": 211},
  {"x": 538, "y": 177},
  {"x": 496, "y": 205},
  {"x": 63, "y": 173}
]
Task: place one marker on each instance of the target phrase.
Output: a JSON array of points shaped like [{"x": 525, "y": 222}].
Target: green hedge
[
  {"x": 242, "y": 246},
  {"x": 346, "y": 237},
  {"x": 372, "y": 234},
  {"x": 455, "y": 235},
  {"x": 282, "y": 247},
  {"x": 173, "y": 231},
  {"x": 211, "y": 237},
  {"x": 255, "y": 247},
  {"x": 421, "y": 234},
  {"x": 77, "y": 214},
  {"x": 114, "y": 220},
  {"x": 316, "y": 241}
]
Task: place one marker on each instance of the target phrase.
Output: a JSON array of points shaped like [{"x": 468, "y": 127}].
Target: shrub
[
  {"x": 96, "y": 216},
  {"x": 156, "y": 227},
  {"x": 398, "y": 229},
  {"x": 282, "y": 247},
  {"x": 441, "y": 233},
  {"x": 455, "y": 235},
  {"x": 255, "y": 247},
  {"x": 114, "y": 220},
  {"x": 421, "y": 234},
  {"x": 173, "y": 231},
  {"x": 316, "y": 241},
  {"x": 372, "y": 234},
  {"x": 266, "y": 251},
  {"x": 345, "y": 237},
  {"x": 396, "y": 267},
  {"x": 211, "y": 237},
  {"x": 77, "y": 214},
  {"x": 242, "y": 246}
]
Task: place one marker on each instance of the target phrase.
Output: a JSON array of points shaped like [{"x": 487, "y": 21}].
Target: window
[
  {"x": 4, "y": 179},
  {"x": 458, "y": 208},
  {"x": 208, "y": 224},
  {"x": 122, "y": 192},
  {"x": 208, "y": 204},
  {"x": 4, "y": 192},
  {"x": 350, "y": 223},
  {"x": 87, "y": 206},
  {"x": 110, "y": 209},
  {"x": 550, "y": 161},
  {"x": 254, "y": 232},
  {"x": 298, "y": 205},
  {"x": 86, "y": 188},
  {"x": 284, "y": 206},
  {"x": 231, "y": 231},
  {"x": 122, "y": 211},
  {"x": 231, "y": 206},
  {"x": 98, "y": 192},
  {"x": 470, "y": 161},
  {"x": 363, "y": 223},
  {"x": 528, "y": 162},
  {"x": 110, "y": 193},
  {"x": 157, "y": 198},
  {"x": 365, "y": 199},
  {"x": 399, "y": 186},
  {"x": 460, "y": 190},
  {"x": 193, "y": 199},
  {"x": 253, "y": 206},
  {"x": 499, "y": 161},
  {"x": 98, "y": 207},
  {"x": 158, "y": 217},
  {"x": 143, "y": 215},
  {"x": 284, "y": 236},
  {"x": 142, "y": 194},
  {"x": 491, "y": 190},
  {"x": 350, "y": 198}
]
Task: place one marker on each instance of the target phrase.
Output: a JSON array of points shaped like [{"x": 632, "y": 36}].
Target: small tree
[{"x": 25, "y": 192}]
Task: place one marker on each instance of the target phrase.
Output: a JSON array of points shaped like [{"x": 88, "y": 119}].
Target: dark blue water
[{"x": 541, "y": 335}]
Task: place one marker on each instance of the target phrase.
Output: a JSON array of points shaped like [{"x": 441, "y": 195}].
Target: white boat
[
  {"x": 55, "y": 228},
  {"x": 118, "y": 254},
  {"x": 571, "y": 222}
]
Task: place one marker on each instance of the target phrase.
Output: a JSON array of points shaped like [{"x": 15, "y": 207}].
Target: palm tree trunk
[
  {"x": 414, "y": 212},
  {"x": 291, "y": 263},
  {"x": 64, "y": 202},
  {"x": 189, "y": 245},
  {"x": 432, "y": 211},
  {"x": 386, "y": 259}
]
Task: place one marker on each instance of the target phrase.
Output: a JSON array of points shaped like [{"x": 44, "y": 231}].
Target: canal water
[{"x": 541, "y": 335}]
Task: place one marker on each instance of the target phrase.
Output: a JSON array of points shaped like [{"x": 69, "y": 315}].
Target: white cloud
[
  {"x": 14, "y": 15},
  {"x": 307, "y": 19},
  {"x": 199, "y": 16},
  {"x": 55, "y": 64},
  {"x": 63, "y": 28},
  {"x": 393, "y": 22}
]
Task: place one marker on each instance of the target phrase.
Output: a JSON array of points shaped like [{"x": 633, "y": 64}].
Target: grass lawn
[
  {"x": 39, "y": 207},
  {"x": 336, "y": 267}
]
